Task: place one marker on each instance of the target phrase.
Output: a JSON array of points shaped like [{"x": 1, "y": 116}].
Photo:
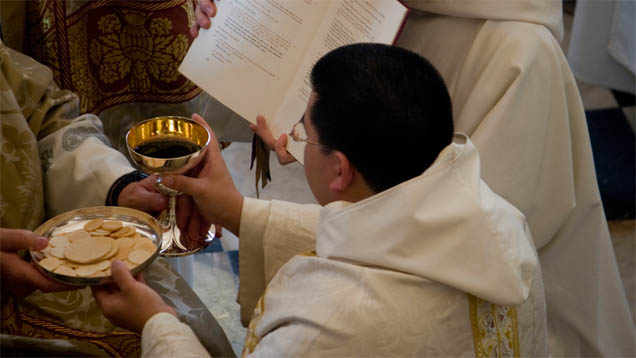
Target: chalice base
[{"x": 173, "y": 245}]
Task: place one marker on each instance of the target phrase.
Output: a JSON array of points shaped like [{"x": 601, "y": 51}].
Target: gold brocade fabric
[
  {"x": 31, "y": 107},
  {"x": 113, "y": 52},
  {"x": 114, "y": 344},
  {"x": 495, "y": 329}
]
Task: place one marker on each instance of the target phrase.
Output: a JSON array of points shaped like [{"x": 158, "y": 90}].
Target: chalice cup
[{"x": 169, "y": 145}]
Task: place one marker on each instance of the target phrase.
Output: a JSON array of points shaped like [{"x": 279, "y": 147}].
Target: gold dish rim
[{"x": 110, "y": 212}]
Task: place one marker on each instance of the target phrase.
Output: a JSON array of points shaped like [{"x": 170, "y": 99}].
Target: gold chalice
[{"x": 169, "y": 145}]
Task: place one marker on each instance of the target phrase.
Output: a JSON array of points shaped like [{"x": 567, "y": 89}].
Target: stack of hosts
[
  {"x": 52, "y": 161},
  {"x": 513, "y": 93},
  {"x": 409, "y": 257}
]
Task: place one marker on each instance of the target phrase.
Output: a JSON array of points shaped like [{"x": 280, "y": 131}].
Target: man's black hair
[{"x": 386, "y": 108}]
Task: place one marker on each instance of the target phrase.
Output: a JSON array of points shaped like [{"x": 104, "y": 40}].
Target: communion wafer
[
  {"x": 111, "y": 226},
  {"x": 102, "y": 265},
  {"x": 100, "y": 233},
  {"x": 58, "y": 252},
  {"x": 93, "y": 224},
  {"x": 78, "y": 235},
  {"x": 139, "y": 256},
  {"x": 125, "y": 242},
  {"x": 113, "y": 250},
  {"x": 123, "y": 253},
  {"x": 50, "y": 263},
  {"x": 144, "y": 244},
  {"x": 124, "y": 231},
  {"x": 88, "y": 270},
  {"x": 65, "y": 270},
  {"x": 88, "y": 250},
  {"x": 59, "y": 241},
  {"x": 99, "y": 274}
]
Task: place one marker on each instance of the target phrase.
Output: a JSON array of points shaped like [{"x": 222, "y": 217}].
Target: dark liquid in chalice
[{"x": 163, "y": 149}]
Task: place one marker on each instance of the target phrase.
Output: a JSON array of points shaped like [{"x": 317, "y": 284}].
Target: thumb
[
  {"x": 15, "y": 239},
  {"x": 122, "y": 276},
  {"x": 183, "y": 184}
]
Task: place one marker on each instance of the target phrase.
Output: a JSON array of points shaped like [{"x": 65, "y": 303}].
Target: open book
[{"x": 257, "y": 55}]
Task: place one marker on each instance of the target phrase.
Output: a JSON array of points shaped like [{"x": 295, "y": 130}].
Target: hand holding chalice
[{"x": 169, "y": 145}]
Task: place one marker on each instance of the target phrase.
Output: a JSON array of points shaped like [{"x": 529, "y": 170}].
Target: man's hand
[
  {"x": 142, "y": 195},
  {"x": 18, "y": 277},
  {"x": 204, "y": 11},
  {"x": 279, "y": 146},
  {"x": 129, "y": 303},
  {"x": 215, "y": 196}
]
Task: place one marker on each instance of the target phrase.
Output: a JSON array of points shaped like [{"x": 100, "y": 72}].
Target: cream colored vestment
[
  {"x": 438, "y": 265},
  {"x": 513, "y": 93}
]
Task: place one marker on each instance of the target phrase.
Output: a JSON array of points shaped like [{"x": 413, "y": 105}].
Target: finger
[
  {"x": 16, "y": 239},
  {"x": 184, "y": 210},
  {"x": 101, "y": 294},
  {"x": 264, "y": 133},
  {"x": 199, "y": 228},
  {"x": 208, "y": 7},
  {"x": 46, "y": 284},
  {"x": 194, "y": 30},
  {"x": 184, "y": 184},
  {"x": 140, "y": 278},
  {"x": 192, "y": 231},
  {"x": 214, "y": 143},
  {"x": 145, "y": 200},
  {"x": 281, "y": 150},
  {"x": 121, "y": 275},
  {"x": 218, "y": 230},
  {"x": 202, "y": 19}
]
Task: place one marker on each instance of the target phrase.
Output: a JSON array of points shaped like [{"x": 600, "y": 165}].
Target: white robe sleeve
[
  {"x": 79, "y": 165},
  {"x": 165, "y": 336},
  {"x": 271, "y": 232}
]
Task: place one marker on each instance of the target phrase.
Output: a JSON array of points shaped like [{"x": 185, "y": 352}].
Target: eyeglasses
[{"x": 299, "y": 133}]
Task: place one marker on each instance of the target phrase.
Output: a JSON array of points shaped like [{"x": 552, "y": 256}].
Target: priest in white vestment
[{"x": 412, "y": 255}]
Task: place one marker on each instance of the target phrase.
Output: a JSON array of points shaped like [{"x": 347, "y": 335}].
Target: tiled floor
[{"x": 216, "y": 280}]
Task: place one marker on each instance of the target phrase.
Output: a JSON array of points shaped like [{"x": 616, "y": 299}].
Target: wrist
[{"x": 232, "y": 220}]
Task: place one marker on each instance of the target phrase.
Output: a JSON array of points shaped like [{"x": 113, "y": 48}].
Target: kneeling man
[{"x": 411, "y": 253}]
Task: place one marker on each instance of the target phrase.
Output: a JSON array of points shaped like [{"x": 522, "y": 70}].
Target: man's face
[{"x": 319, "y": 168}]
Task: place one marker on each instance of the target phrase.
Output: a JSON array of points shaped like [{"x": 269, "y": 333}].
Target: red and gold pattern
[{"x": 114, "y": 51}]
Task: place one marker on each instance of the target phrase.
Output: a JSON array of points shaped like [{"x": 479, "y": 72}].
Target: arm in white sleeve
[
  {"x": 165, "y": 336},
  {"x": 271, "y": 232},
  {"x": 79, "y": 165}
]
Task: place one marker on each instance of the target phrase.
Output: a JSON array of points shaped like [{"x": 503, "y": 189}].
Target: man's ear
[{"x": 344, "y": 172}]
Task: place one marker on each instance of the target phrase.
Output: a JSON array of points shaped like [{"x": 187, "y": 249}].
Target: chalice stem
[{"x": 174, "y": 234}]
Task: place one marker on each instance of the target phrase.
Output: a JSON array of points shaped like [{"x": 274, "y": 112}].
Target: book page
[
  {"x": 248, "y": 57},
  {"x": 345, "y": 22}
]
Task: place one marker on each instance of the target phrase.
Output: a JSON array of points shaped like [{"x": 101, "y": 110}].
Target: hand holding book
[{"x": 256, "y": 56}]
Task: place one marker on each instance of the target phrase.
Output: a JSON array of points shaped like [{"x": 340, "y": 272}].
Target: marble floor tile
[
  {"x": 217, "y": 285},
  {"x": 288, "y": 181}
]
